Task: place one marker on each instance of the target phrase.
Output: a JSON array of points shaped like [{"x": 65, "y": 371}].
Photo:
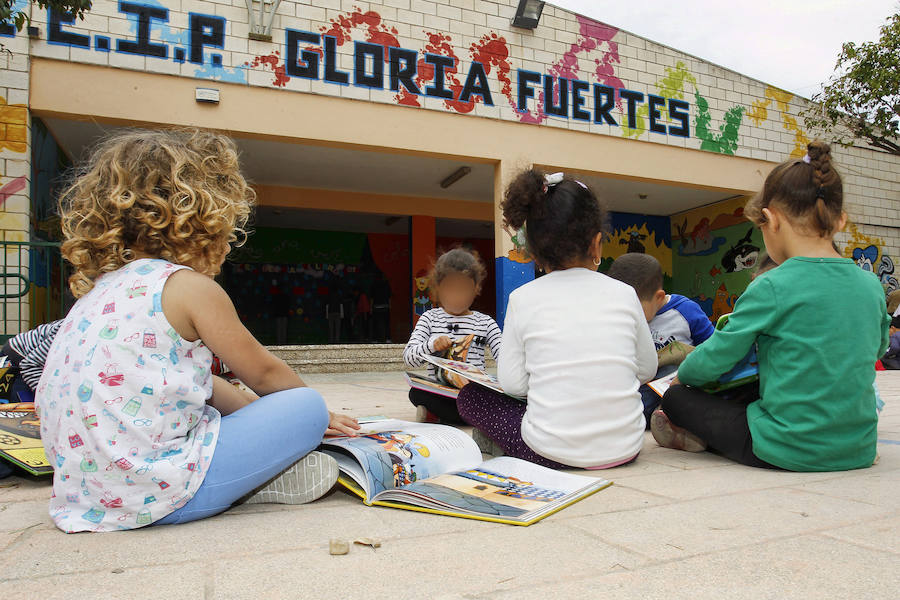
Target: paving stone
[{"x": 804, "y": 568}]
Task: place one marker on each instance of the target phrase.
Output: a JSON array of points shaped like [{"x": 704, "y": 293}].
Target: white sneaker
[{"x": 306, "y": 480}]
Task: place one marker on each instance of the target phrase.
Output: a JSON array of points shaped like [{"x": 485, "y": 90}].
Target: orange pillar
[{"x": 422, "y": 242}]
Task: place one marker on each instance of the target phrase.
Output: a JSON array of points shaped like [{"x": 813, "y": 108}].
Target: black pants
[
  {"x": 718, "y": 419},
  {"x": 442, "y": 407}
]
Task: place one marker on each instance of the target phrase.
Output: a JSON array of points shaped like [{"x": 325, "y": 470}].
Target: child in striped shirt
[
  {"x": 28, "y": 351},
  {"x": 456, "y": 279}
]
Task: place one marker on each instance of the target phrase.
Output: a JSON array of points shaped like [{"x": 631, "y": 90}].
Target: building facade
[{"x": 376, "y": 133}]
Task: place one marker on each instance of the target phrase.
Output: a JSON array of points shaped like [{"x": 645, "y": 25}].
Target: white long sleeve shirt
[{"x": 577, "y": 344}]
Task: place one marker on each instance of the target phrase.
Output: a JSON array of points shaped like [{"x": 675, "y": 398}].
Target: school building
[{"x": 376, "y": 133}]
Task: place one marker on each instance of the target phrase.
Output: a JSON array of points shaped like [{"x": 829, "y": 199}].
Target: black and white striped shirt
[
  {"x": 32, "y": 347},
  {"x": 437, "y": 322}
]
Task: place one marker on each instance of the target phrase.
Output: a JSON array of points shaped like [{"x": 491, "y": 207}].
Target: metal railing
[{"x": 32, "y": 285}]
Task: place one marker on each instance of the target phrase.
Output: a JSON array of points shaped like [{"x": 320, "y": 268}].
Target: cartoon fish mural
[{"x": 742, "y": 255}]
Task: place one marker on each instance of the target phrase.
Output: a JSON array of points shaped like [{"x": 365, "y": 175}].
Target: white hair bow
[{"x": 553, "y": 179}]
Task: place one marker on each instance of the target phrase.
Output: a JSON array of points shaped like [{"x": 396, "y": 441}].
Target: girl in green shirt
[{"x": 819, "y": 323}]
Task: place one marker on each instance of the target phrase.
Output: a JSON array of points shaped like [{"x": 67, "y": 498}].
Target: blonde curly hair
[{"x": 177, "y": 195}]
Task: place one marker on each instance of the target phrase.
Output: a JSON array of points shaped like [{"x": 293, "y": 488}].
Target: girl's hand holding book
[
  {"x": 341, "y": 425},
  {"x": 442, "y": 343}
]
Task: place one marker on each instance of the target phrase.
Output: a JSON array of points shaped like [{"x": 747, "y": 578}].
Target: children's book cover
[
  {"x": 20, "y": 441},
  {"x": 420, "y": 381}
]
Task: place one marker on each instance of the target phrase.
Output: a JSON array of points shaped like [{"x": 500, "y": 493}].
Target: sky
[{"x": 791, "y": 44}]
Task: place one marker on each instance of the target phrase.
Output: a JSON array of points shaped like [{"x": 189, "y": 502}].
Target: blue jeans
[{"x": 255, "y": 444}]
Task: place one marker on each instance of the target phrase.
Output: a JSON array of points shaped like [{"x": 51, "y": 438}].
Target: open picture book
[
  {"x": 421, "y": 381},
  {"x": 439, "y": 469},
  {"x": 20, "y": 439},
  {"x": 455, "y": 373}
]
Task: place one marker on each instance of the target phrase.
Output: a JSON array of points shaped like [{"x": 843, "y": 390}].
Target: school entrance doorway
[{"x": 342, "y": 238}]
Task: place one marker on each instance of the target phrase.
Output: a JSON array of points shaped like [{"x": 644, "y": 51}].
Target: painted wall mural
[
  {"x": 639, "y": 233},
  {"x": 759, "y": 112},
  {"x": 715, "y": 250},
  {"x": 14, "y": 139},
  {"x": 583, "y": 84},
  {"x": 723, "y": 138},
  {"x": 868, "y": 252},
  {"x": 672, "y": 85},
  {"x": 440, "y": 68}
]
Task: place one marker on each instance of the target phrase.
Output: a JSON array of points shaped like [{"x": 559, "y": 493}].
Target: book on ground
[
  {"x": 439, "y": 469},
  {"x": 20, "y": 441}
]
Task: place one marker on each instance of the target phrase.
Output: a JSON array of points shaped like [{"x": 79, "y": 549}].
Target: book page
[
  {"x": 469, "y": 372},
  {"x": 538, "y": 475},
  {"x": 502, "y": 487},
  {"x": 396, "y": 453},
  {"x": 661, "y": 385}
]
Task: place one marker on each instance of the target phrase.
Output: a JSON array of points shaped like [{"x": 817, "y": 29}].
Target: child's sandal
[{"x": 669, "y": 435}]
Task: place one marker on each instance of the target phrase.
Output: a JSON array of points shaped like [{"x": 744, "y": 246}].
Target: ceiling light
[
  {"x": 455, "y": 176},
  {"x": 528, "y": 14}
]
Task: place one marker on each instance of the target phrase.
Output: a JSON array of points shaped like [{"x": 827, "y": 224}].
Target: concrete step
[
  {"x": 342, "y": 358},
  {"x": 338, "y": 351},
  {"x": 345, "y": 358}
]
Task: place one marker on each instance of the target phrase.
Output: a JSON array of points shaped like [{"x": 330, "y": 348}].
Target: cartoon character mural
[
  {"x": 518, "y": 253},
  {"x": 867, "y": 252},
  {"x": 723, "y": 303},
  {"x": 715, "y": 253},
  {"x": 646, "y": 234},
  {"x": 700, "y": 241},
  {"x": 742, "y": 255},
  {"x": 633, "y": 241},
  {"x": 422, "y": 297}
]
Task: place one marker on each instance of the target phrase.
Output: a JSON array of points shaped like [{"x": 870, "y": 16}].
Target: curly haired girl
[{"x": 138, "y": 430}]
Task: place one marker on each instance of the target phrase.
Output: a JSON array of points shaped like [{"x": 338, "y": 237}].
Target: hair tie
[
  {"x": 552, "y": 180},
  {"x": 806, "y": 158},
  {"x": 820, "y": 192}
]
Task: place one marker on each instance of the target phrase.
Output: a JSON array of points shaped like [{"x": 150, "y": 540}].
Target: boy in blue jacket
[{"x": 677, "y": 323}]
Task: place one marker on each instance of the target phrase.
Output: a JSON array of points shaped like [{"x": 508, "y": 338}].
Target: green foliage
[
  {"x": 11, "y": 13},
  {"x": 862, "y": 101}
]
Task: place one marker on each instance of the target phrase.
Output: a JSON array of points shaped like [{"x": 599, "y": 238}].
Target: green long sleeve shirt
[{"x": 820, "y": 325}]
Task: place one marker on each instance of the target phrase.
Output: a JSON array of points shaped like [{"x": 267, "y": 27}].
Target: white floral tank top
[{"x": 122, "y": 403}]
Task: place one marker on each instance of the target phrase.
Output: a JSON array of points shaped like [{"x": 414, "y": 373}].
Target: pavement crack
[{"x": 23, "y": 534}]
